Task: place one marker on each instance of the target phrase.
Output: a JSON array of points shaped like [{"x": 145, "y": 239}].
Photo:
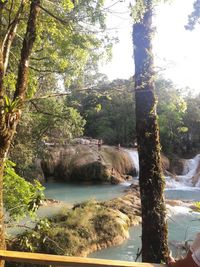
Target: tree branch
[
  {"x": 28, "y": 42},
  {"x": 52, "y": 15},
  {"x": 10, "y": 35},
  {"x": 48, "y": 96},
  {"x": 2, "y": 5}
]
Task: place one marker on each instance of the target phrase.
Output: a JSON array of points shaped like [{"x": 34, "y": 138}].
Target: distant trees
[
  {"x": 108, "y": 110},
  {"x": 191, "y": 119},
  {"x": 43, "y": 120},
  {"x": 151, "y": 180},
  {"x": 171, "y": 110}
]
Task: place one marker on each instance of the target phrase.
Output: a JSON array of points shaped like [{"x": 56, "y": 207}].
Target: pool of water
[
  {"x": 183, "y": 226},
  {"x": 75, "y": 193},
  {"x": 191, "y": 194}
]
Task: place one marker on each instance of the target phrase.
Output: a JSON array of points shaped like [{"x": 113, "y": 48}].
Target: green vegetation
[
  {"x": 21, "y": 198},
  {"x": 197, "y": 206},
  {"x": 108, "y": 109},
  {"x": 51, "y": 92},
  {"x": 85, "y": 228},
  {"x": 45, "y": 120},
  {"x": 109, "y": 112}
]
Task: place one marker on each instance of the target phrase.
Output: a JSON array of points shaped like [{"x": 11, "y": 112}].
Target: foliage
[
  {"x": 56, "y": 121},
  {"x": 66, "y": 47},
  {"x": 74, "y": 232},
  {"x": 197, "y": 206},
  {"x": 171, "y": 110},
  {"x": 20, "y": 197},
  {"x": 192, "y": 122},
  {"x": 108, "y": 110},
  {"x": 43, "y": 121}
]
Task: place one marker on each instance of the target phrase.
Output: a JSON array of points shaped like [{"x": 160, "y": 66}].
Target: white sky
[{"x": 176, "y": 50}]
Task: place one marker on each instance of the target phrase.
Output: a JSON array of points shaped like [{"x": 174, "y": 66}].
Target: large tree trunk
[
  {"x": 154, "y": 226},
  {"x": 9, "y": 119}
]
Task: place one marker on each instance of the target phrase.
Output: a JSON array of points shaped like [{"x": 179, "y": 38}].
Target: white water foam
[
  {"x": 173, "y": 210},
  {"x": 135, "y": 159},
  {"x": 185, "y": 181},
  {"x": 181, "y": 182}
]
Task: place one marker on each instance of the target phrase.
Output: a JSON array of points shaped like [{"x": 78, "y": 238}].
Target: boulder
[
  {"x": 177, "y": 166},
  {"x": 87, "y": 163}
]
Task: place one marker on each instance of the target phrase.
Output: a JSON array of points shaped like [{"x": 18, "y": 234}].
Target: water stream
[
  {"x": 76, "y": 193},
  {"x": 183, "y": 224}
]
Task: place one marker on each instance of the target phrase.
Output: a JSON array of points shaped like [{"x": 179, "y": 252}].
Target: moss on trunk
[{"x": 154, "y": 227}]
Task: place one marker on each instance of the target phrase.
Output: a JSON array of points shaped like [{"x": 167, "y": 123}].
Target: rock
[
  {"x": 177, "y": 166},
  {"x": 85, "y": 228},
  {"x": 38, "y": 173},
  {"x": 87, "y": 163},
  {"x": 174, "y": 202},
  {"x": 165, "y": 162},
  {"x": 196, "y": 177},
  {"x": 116, "y": 180}
]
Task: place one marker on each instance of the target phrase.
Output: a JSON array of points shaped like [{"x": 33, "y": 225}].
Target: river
[{"x": 183, "y": 224}]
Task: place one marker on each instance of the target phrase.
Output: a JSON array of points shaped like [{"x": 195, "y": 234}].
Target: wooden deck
[{"x": 56, "y": 260}]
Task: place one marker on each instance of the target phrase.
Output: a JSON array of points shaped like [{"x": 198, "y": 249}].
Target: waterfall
[
  {"x": 184, "y": 181},
  {"x": 135, "y": 159},
  {"x": 187, "y": 179}
]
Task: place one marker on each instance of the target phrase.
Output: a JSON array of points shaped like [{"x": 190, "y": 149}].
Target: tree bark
[
  {"x": 151, "y": 180},
  {"x": 9, "y": 120}
]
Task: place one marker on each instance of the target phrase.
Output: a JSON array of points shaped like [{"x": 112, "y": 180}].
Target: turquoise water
[
  {"x": 183, "y": 194},
  {"x": 75, "y": 193},
  {"x": 183, "y": 225},
  {"x": 70, "y": 194}
]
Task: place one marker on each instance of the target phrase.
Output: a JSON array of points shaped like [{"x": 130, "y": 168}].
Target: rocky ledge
[
  {"x": 85, "y": 228},
  {"x": 89, "y": 163}
]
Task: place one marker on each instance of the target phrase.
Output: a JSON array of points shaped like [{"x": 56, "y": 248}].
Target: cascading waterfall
[
  {"x": 135, "y": 159},
  {"x": 184, "y": 181},
  {"x": 183, "y": 222}
]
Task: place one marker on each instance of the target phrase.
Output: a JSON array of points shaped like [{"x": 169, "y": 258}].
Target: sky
[{"x": 177, "y": 51}]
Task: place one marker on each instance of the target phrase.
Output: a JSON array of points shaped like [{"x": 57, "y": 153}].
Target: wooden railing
[{"x": 55, "y": 260}]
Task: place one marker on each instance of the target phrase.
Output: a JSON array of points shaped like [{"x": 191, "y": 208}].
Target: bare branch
[
  {"x": 52, "y": 15},
  {"x": 38, "y": 59},
  {"x": 48, "y": 96},
  {"x": 48, "y": 71}
]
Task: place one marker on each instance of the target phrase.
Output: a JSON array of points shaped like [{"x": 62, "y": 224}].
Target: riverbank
[{"x": 87, "y": 227}]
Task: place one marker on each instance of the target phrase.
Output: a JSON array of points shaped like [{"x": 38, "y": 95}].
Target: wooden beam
[{"x": 48, "y": 259}]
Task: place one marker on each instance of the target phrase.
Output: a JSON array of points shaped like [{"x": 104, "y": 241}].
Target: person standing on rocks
[{"x": 99, "y": 144}]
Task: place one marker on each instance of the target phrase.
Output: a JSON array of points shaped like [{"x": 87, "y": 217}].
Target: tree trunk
[
  {"x": 151, "y": 180},
  {"x": 9, "y": 120}
]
